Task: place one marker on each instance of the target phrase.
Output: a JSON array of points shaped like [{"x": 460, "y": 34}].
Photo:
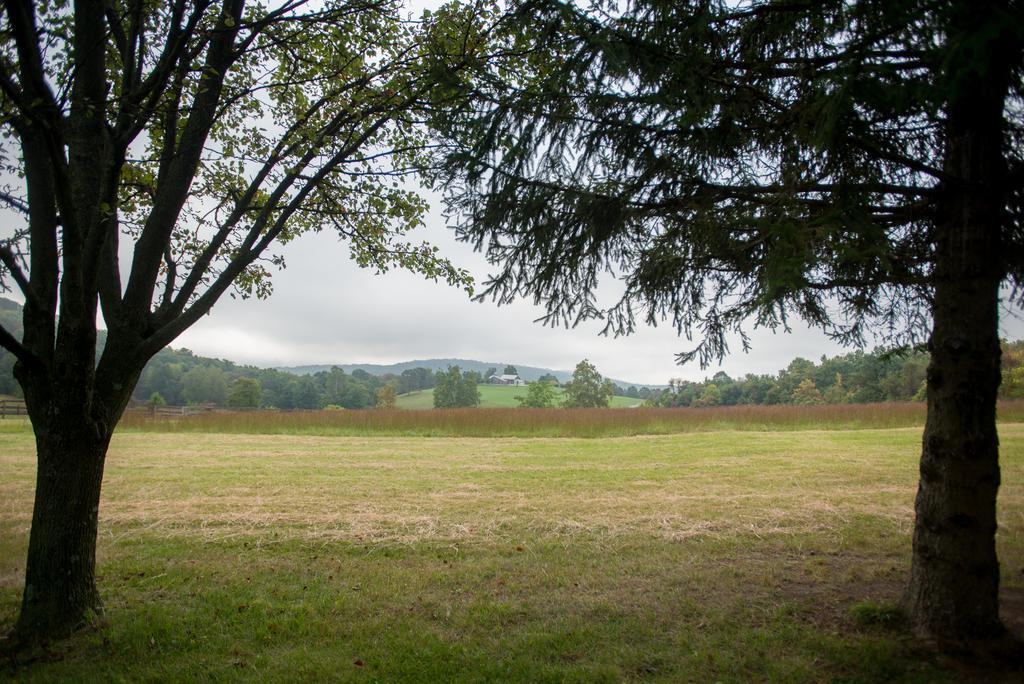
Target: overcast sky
[{"x": 326, "y": 310}]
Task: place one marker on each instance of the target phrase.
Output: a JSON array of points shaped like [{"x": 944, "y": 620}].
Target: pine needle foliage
[{"x": 734, "y": 164}]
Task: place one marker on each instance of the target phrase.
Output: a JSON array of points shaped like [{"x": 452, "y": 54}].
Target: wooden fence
[
  {"x": 179, "y": 411},
  {"x": 16, "y": 407},
  {"x": 12, "y": 407}
]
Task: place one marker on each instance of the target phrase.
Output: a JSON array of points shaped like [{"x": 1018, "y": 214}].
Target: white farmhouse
[{"x": 505, "y": 380}]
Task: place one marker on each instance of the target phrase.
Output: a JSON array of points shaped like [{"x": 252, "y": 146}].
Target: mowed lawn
[
  {"x": 715, "y": 556},
  {"x": 496, "y": 396}
]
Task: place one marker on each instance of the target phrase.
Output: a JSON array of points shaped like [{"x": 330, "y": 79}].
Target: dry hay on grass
[
  {"x": 414, "y": 491},
  {"x": 439, "y": 491},
  {"x": 728, "y": 543}
]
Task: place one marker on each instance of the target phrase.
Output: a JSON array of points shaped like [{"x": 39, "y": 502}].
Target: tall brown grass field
[{"x": 519, "y": 422}]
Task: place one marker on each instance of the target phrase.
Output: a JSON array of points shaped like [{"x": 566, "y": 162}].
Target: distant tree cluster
[
  {"x": 539, "y": 394},
  {"x": 386, "y": 398},
  {"x": 457, "y": 389},
  {"x": 179, "y": 377},
  {"x": 853, "y": 378},
  {"x": 414, "y": 380},
  {"x": 245, "y": 392},
  {"x": 587, "y": 389}
]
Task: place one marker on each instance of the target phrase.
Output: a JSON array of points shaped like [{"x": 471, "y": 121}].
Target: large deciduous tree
[
  {"x": 456, "y": 389},
  {"x": 855, "y": 164},
  {"x": 587, "y": 389},
  {"x": 539, "y": 394},
  {"x": 245, "y": 392},
  {"x": 160, "y": 151}
]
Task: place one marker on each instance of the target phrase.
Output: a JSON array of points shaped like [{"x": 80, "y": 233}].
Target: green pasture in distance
[
  {"x": 495, "y": 396},
  {"x": 723, "y": 556}
]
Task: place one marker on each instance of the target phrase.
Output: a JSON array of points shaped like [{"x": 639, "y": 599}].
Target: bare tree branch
[{"x": 11, "y": 344}]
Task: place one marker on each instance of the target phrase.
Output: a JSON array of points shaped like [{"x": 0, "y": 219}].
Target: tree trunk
[
  {"x": 953, "y": 592},
  {"x": 954, "y": 583},
  {"x": 60, "y": 577}
]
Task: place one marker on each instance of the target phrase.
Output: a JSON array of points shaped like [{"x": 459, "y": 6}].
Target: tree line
[
  {"x": 854, "y": 378},
  {"x": 179, "y": 377}
]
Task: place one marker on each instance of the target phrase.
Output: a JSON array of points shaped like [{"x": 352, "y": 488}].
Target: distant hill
[{"x": 527, "y": 373}]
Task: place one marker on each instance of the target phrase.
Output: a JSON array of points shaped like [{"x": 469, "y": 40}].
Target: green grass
[
  {"x": 725, "y": 556},
  {"x": 495, "y": 396},
  {"x": 15, "y": 424}
]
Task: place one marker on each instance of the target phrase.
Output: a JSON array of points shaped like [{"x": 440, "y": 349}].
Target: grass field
[
  {"x": 711, "y": 556},
  {"x": 495, "y": 396}
]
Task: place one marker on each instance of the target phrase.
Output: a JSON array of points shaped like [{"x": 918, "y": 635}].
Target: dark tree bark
[
  {"x": 73, "y": 420},
  {"x": 60, "y": 579},
  {"x": 954, "y": 584},
  {"x": 953, "y": 592}
]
